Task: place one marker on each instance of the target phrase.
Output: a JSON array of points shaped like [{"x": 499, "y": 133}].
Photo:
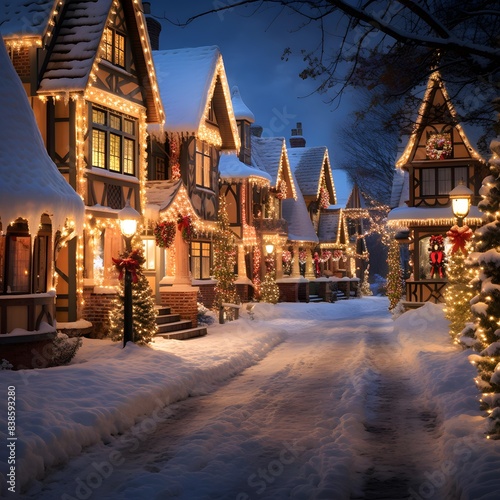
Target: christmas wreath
[
  {"x": 164, "y": 233},
  {"x": 438, "y": 147},
  {"x": 185, "y": 225},
  {"x": 131, "y": 262}
]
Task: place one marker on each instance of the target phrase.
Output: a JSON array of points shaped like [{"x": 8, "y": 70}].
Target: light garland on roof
[
  {"x": 435, "y": 77},
  {"x": 450, "y": 221}
]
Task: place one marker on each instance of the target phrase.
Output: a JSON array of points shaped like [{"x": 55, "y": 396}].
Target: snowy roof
[
  {"x": 309, "y": 164},
  {"x": 329, "y": 229},
  {"x": 232, "y": 169},
  {"x": 401, "y": 217},
  {"x": 400, "y": 188},
  {"x": 300, "y": 227},
  {"x": 20, "y": 18},
  {"x": 356, "y": 200},
  {"x": 270, "y": 154},
  {"x": 76, "y": 45},
  {"x": 31, "y": 185},
  {"x": 189, "y": 79},
  {"x": 241, "y": 111}
]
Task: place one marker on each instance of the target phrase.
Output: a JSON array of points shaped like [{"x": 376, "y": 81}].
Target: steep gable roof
[
  {"x": 311, "y": 166},
  {"x": 77, "y": 28},
  {"x": 432, "y": 111},
  {"x": 270, "y": 154},
  {"x": 233, "y": 170},
  {"x": 300, "y": 227},
  {"x": 189, "y": 79},
  {"x": 241, "y": 110},
  {"x": 331, "y": 228}
]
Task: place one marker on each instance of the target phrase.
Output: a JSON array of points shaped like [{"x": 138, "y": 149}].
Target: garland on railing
[
  {"x": 337, "y": 254},
  {"x": 164, "y": 233},
  {"x": 325, "y": 255}
]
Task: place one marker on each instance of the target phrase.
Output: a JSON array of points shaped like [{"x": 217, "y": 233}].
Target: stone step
[
  {"x": 161, "y": 319},
  {"x": 315, "y": 298},
  {"x": 163, "y": 310},
  {"x": 188, "y": 333},
  {"x": 175, "y": 326}
]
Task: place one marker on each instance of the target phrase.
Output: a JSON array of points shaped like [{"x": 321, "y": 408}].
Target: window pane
[
  {"x": 99, "y": 117},
  {"x": 461, "y": 174},
  {"x": 19, "y": 264},
  {"x": 428, "y": 181},
  {"x": 108, "y": 45},
  {"x": 160, "y": 169},
  {"x": 115, "y": 122},
  {"x": 114, "y": 152},
  {"x": 128, "y": 157},
  {"x": 149, "y": 254},
  {"x": 205, "y": 261},
  {"x": 98, "y": 148},
  {"x": 128, "y": 127},
  {"x": 444, "y": 180},
  {"x": 119, "y": 50},
  {"x": 40, "y": 264}
]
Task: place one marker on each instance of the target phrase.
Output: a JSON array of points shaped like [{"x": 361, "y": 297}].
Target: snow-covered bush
[
  {"x": 205, "y": 316},
  {"x": 5, "y": 365},
  {"x": 64, "y": 349}
]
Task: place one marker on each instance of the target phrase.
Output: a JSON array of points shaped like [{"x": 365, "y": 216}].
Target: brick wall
[
  {"x": 21, "y": 62},
  {"x": 289, "y": 292},
  {"x": 183, "y": 303},
  {"x": 207, "y": 293},
  {"x": 96, "y": 310},
  {"x": 245, "y": 292}
]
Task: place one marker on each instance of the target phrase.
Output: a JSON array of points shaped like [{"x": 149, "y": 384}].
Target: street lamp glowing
[
  {"x": 129, "y": 218},
  {"x": 461, "y": 198},
  {"x": 269, "y": 248}
]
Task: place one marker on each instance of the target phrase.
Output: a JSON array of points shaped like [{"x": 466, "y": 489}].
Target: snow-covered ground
[{"x": 333, "y": 401}]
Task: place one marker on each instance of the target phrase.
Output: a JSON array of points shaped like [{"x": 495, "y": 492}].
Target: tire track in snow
[{"x": 402, "y": 430}]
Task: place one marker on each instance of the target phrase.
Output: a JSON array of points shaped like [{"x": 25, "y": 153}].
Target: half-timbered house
[
  {"x": 87, "y": 68},
  {"x": 438, "y": 156},
  {"x": 199, "y": 127}
]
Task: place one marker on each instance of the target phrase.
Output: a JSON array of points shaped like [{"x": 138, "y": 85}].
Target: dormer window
[
  {"x": 211, "y": 113},
  {"x": 114, "y": 47}
]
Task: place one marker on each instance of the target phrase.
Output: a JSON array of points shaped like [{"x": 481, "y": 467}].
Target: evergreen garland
[
  {"x": 394, "y": 275},
  {"x": 224, "y": 259}
]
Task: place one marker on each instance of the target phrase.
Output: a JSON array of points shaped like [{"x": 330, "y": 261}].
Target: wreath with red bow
[{"x": 131, "y": 263}]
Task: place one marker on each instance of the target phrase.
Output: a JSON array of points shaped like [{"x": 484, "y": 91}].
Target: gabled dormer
[
  {"x": 439, "y": 154},
  {"x": 244, "y": 119},
  {"x": 200, "y": 122}
]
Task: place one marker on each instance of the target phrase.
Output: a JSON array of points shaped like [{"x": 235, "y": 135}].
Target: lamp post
[
  {"x": 129, "y": 219},
  {"x": 461, "y": 199}
]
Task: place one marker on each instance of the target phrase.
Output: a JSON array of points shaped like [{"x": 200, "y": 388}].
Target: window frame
[
  {"x": 114, "y": 49},
  {"x": 110, "y": 147},
  {"x": 204, "y": 164},
  {"x": 435, "y": 185},
  {"x": 201, "y": 271}
]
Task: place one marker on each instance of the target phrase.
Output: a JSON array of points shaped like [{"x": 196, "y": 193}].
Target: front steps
[{"x": 171, "y": 326}]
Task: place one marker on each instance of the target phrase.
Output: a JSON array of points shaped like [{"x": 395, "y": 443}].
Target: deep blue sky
[{"x": 252, "y": 45}]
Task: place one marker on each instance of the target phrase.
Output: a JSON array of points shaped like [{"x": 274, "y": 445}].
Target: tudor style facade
[
  {"x": 437, "y": 157},
  {"x": 88, "y": 71}
]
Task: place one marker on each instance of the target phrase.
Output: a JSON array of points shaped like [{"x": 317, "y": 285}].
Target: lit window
[
  {"x": 113, "y": 142},
  {"x": 203, "y": 164},
  {"x": 200, "y": 260},
  {"x": 114, "y": 47}
]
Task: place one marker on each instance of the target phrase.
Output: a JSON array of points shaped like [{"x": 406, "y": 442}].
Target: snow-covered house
[
  {"x": 243, "y": 186},
  {"x": 39, "y": 213},
  {"x": 199, "y": 127},
  {"x": 87, "y": 68},
  {"x": 437, "y": 157},
  {"x": 269, "y": 154}
]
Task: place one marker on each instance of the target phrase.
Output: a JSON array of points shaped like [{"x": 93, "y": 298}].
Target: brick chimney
[
  {"x": 154, "y": 27},
  {"x": 297, "y": 140}
]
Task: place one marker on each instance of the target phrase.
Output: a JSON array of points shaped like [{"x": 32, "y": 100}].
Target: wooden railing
[
  {"x": 26, "y": 311},
  {"x": 425, "y": 291}
]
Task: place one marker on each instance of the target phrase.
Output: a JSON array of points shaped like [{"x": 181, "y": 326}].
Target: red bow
[
  {"x": 459, "y": 236},
  {"x": 127, "y": 264},
  {"x": 183, "y": 222}
]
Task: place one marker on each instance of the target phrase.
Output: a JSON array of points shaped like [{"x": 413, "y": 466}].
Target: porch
[{"x": 418, "y": 292}]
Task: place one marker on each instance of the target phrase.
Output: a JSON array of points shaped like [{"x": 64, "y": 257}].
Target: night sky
[{"x": 252, "y": 44}]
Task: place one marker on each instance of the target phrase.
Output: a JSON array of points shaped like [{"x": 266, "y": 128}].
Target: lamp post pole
[{"x": 128, "y": 224}]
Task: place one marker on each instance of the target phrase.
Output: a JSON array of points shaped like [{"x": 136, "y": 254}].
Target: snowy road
[{"x": 331, "y": 413}]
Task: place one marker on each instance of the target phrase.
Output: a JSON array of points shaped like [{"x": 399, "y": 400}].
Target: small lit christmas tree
[
  {"x": 269, "y": 290},
  {"x": 365, "y": 285},
  {"x": 144, "y": 311},
  {"x": 224, "y": 259},
  {"x": 458, "y": 292},
  {"x": 394, "y": 275}
]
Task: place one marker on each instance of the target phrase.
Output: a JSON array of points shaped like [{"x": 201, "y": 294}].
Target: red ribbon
[
  {"x": 459, "y": 236},
  {"x": 127, "y": 264},
  {"x": 183, "y": 222}
]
